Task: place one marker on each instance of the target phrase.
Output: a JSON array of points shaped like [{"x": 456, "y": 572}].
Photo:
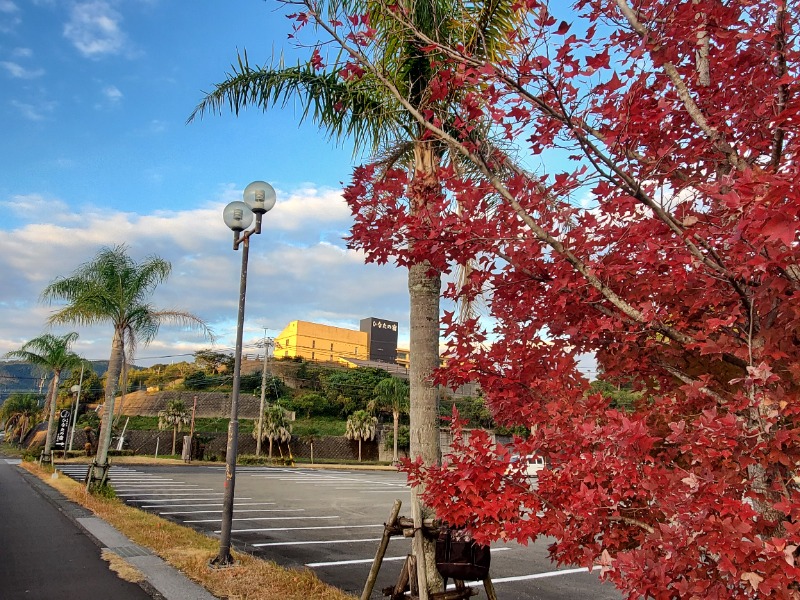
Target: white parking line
[
  {"x": 360, "y": 561},
  {"x": 264, "y": 519},
  {"x": 304, "y": 528},
  {"x": 144, "y": 488},
  {"x": 247, "y": 510},
  {"x": 366, "y": 561},
  {"x": 266, "y": 544},
  {"x": 168, "y": 500},
  {"x": 206, "y": 500},
  {"x": 528, "y": 577},
  {"x": 210, "y": 493}
]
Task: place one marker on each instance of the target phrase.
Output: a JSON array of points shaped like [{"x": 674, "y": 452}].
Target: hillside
[{"x": 209, "y": 404}]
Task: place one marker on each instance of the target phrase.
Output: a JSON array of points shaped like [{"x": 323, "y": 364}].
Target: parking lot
[{"x": 330, "y": 521}]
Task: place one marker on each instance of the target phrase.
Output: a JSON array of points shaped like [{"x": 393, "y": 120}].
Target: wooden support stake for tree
[
  {"x": 399, "y": 589},
  {"x": 413, "y": 581},
  {"x": 418, "y": 546},
  {"x": 488, "y": 586},
  {"x": 376, "y": 564}
]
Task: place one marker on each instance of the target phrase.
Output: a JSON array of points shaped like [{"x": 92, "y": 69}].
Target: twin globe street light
[{"x": 259, "y": 197}]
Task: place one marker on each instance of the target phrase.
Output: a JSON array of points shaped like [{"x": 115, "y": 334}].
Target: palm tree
[
  {"x": 367, "y": 111},
  {"x": 276, "y": 426},
  {"x": 17, "y": 413},
  {"x": 175, "y": 415},
  {"x": 50, "y": 353},
  {"x": 364, "y": 110},
  {"x": 392, "y": 393},
  {"x": 361, "y": 426},
  {"x": 113, "y": 288}
]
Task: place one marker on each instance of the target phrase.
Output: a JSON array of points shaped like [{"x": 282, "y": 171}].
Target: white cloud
[
  {"x": 34, "y": 112},
  {"x": 293, "y": 274},
  {"x": 22, "y": 53},
  {"x": 94, "y": 29},
  {"x": 32, "y": 207},
  {"x": 9, "y": 15},
  {"x": 112, "y": 93},
  {"x": 19, "y": 72}
]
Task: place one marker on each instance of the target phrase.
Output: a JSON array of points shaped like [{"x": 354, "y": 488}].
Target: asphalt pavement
[{"x": 50, "y": 549}]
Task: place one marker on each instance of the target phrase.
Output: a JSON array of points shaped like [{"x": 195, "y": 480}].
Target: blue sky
[
  {"x": 95, "y": 151},
  {"x": 94, "y": 97}
]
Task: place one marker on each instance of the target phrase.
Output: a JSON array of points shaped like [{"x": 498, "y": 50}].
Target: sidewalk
[{"x": 50, "y": 548}]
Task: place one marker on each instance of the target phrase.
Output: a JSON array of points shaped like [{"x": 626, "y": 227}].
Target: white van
[{"x": 532, "y": 463}]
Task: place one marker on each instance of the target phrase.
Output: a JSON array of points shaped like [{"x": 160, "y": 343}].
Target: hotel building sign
[{"x": 382, "y": 339}]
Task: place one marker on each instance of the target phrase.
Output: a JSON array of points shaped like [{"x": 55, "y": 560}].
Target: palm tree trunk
[
  {"x": 112, "y": 379},
  {"x": 174, "y": 437},
  {"x": 359, "y": 449},
  {"x": 52, "y": 394},
  {"x": 424, "y": 287},
  {"x": 270, "y": 447}
]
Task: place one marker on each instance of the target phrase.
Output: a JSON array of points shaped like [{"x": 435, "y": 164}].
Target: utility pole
[{"x": 263, "y": 394}]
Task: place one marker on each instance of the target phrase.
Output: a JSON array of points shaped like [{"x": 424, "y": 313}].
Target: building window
[
  {"x": 355, "y": 351},
  {"x": 313, "y": 343},
  {"x": 312, "y": 356},
  {"x": 331, "y": 357},
  {"x": 331, "y": 346}
]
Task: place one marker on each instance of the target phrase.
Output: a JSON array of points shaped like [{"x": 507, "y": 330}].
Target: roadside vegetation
[{"x": 190, "y": 551}]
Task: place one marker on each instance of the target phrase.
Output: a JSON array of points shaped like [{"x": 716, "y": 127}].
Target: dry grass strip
[
  {"x": 190, "y": 551},
  {"x": 122, "y": 567}
]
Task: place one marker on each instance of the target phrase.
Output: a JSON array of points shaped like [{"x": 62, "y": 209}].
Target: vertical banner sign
[{"x": 61, "y": 430}]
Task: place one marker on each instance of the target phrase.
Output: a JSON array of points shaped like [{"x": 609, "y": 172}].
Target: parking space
[{"x": 328, "y": 520}]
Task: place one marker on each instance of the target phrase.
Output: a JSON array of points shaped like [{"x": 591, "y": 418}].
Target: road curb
[{"x": 163, "y": 581}]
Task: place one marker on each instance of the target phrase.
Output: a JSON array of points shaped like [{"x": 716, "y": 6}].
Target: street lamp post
[
  {"x": 76, "y": 389},
  {"x": 259, "y": 197}
]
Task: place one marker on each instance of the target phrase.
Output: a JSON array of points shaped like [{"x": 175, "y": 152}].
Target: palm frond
[{"x": 344, "y": 108}]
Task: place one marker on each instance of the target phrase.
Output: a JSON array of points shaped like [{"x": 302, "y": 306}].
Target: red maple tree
[{"x": 634, "y": 193}]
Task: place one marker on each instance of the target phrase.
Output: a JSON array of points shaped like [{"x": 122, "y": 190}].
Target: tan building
[
  {"x": 403, "y": 357},
  {"x": 326, "y": 343}
]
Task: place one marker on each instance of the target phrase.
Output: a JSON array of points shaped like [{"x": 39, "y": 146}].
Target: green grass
[
  {"x": 204, "y": 425},
  {"x": 319, "y": 426}
]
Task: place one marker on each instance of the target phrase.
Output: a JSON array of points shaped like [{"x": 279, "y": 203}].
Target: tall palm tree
[
  {"x": 50, "y": 353},
  {"x": 275, "y": 426},
  {"x": 360, "y": 426},
  {"x": 363, "y": 110},
  {"x": 113, "y": 288},
  {"x": 392, "y": 393},
  {"x": 175, "y": 415}
]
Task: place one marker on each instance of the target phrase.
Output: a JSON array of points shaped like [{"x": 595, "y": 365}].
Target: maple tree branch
[
  {"x": 635, "y": 522},
  {"x": 675, "y": 372},
  {"x": 783, "y": 89},
  {"x": 701, "y": 54},
  {"x": 685, "y": 96},
  {"x": 539, "y": 232}
]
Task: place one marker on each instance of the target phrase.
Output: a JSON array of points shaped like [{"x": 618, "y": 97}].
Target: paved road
[
  {"x": 43, "y": 554},
  {"x": 329, "y": 521}
]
